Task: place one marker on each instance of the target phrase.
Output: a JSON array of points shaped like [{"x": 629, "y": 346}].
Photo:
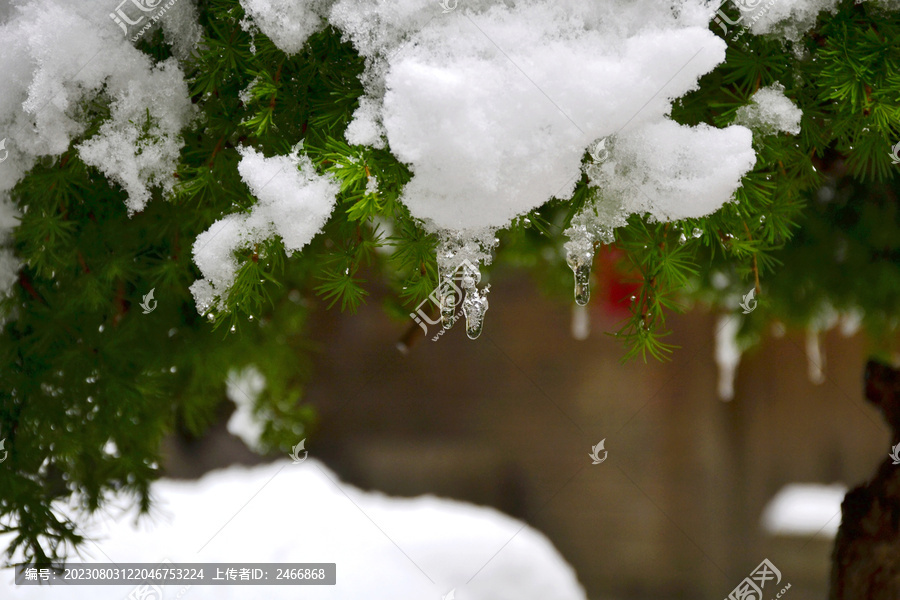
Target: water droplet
[
  {"x": 696, "y": 233},
  {"x": 232, "y": 329},
  {"x": 682, "y": 239},
  {"x": 474, "y": 307},
  {"x": 211, "y": 317},
  {"x": 250, "y": 317},
  {"x": 172, "y": 369},
  {"x": 762, "y": 218},
  {"x": 580, "y": 263}
]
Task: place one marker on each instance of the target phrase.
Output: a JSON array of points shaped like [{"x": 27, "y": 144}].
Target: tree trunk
[{"x": 866, "y": 560}]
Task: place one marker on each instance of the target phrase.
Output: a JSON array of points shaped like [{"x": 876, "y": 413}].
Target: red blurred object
[{"x": 615, "y": 285}]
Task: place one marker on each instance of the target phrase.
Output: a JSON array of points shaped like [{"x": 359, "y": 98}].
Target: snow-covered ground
[{"x": 384, "y": 547}]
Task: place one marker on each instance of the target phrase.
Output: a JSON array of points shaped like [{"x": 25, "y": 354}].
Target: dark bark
[{"x": 866, "y": 560}]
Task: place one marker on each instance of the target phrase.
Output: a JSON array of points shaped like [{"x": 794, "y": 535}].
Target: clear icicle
[
  {"x": 593, "y": 225},
  {"x": 474, "y": 307},
  {"x": 459, "y": 258},
  {"x": 448, "y": 303},
  {"x": 580, "y": 262}
]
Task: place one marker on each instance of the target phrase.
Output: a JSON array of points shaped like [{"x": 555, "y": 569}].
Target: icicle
[
  {"x": 580, "y": 262},
  {"x": 474, "y": 307},
  {"x": 593, "y": 225},
  {"x": 458, "y": 261},
  {"x": 581, "y": 322},
  {"x": 448, "y": 304}
]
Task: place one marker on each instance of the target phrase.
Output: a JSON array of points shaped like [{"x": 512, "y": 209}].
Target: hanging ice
[
  {"x": 580, "y": 261},
  {"x": 474, "y": 307},
  {"x": 459, "y": 256},
  {"x": 586, "y": 231}
]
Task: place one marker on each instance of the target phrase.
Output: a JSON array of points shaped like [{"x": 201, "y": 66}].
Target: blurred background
[{"x": 677, "y": 509}]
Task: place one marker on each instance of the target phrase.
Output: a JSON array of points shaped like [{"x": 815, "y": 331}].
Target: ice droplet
[
  {"x": 697, "y": 232},
  {"x": 580, "y": 263},
  {"x": 474, "y": 307},
  {"x": 682, "y": 239},
  {"x": 459, "y": 259}
]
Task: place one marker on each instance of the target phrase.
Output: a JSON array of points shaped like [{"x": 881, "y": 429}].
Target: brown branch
[
  {"x": 25, "y": 282},
  {"x": 83, "y": 264},
  {"x": 216, "y": 151}
]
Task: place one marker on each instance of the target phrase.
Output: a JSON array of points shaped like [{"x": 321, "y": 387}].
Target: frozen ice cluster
[
  {"x": 293, "y": 202},
  {"x": 770, "y": 111},
  {"x": 385, "y": 548}
]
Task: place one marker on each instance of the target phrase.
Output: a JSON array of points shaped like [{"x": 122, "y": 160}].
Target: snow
[
  {"x": 243, "y": 388},
  {"x": 789, "y": 19},
  {"x": 785, "y": 18},
  {"x": 804, "y": 509},
  {"x": 384, "y": 548},
  {"x": 288, "y": 23},
  {"x": 770, "y": 111},
  {"x": 493, "y": 106},
  {"x": 129, "y": 152},
  {"x": 673, "y": 171},
  {"x": 57, "y": 57},
  {"x": 294, "y": 202}
]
